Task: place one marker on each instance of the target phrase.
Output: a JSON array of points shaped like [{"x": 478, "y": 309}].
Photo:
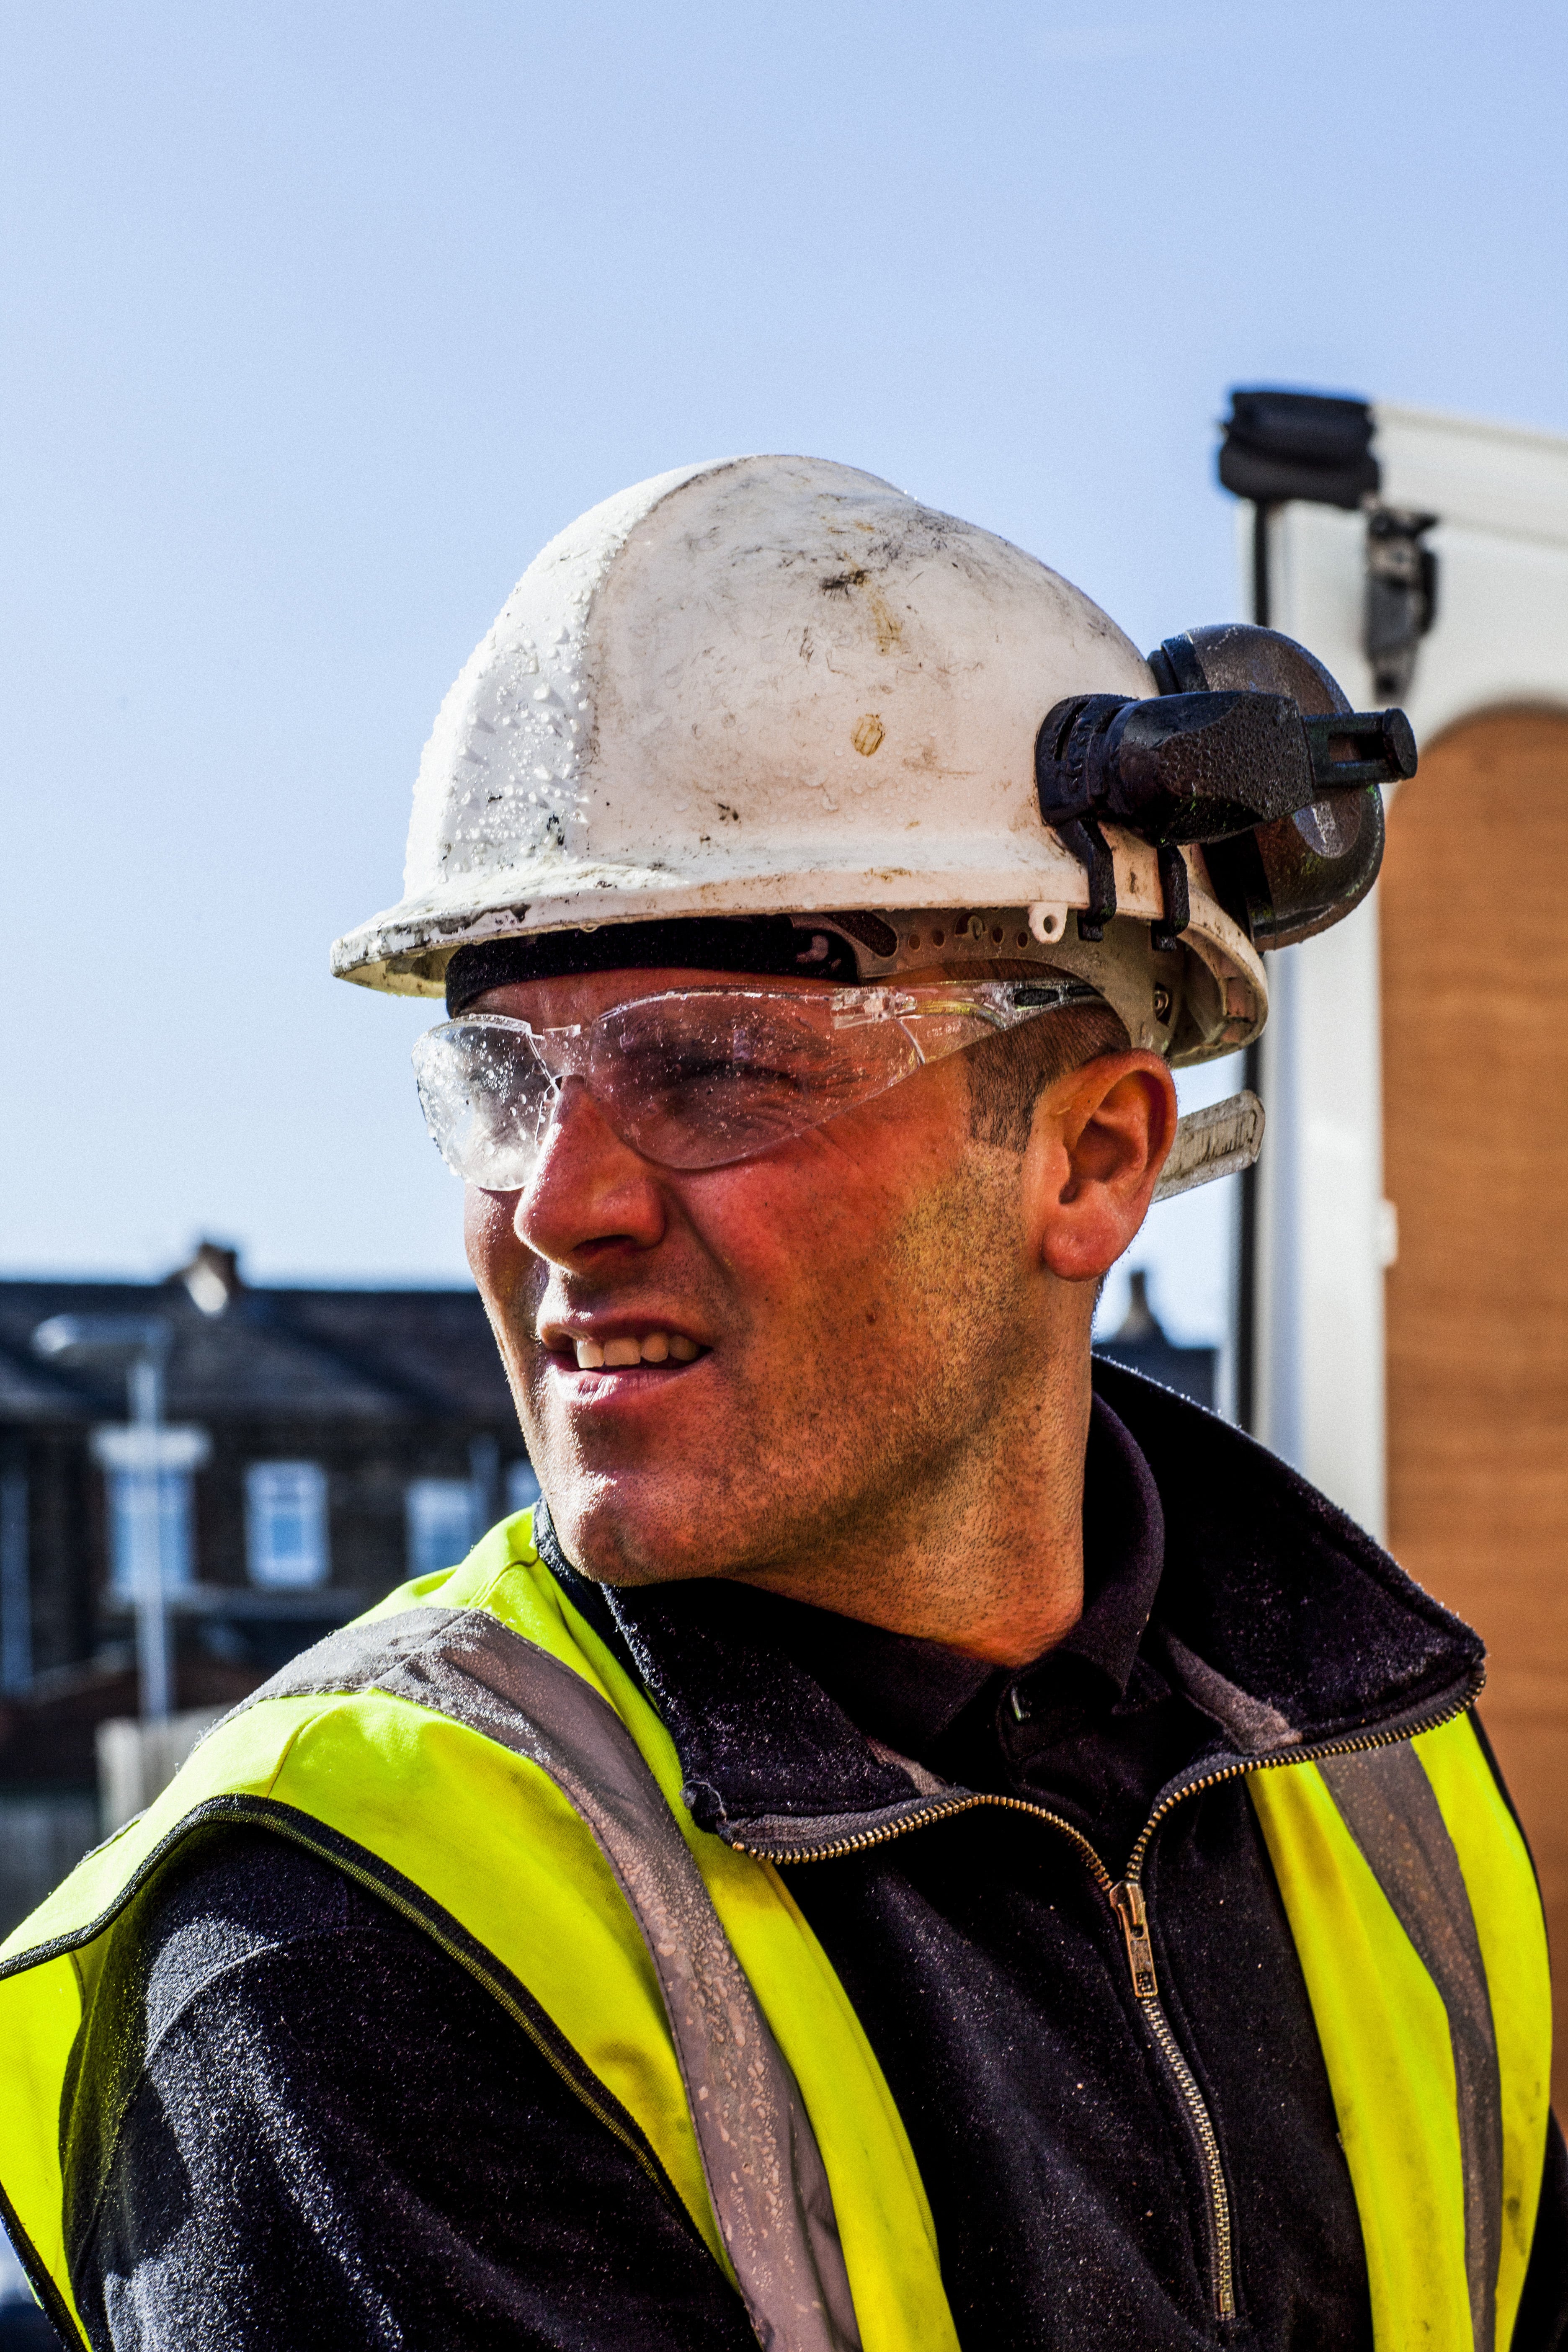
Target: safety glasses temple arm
[{"x": 1003, "y": 1005}]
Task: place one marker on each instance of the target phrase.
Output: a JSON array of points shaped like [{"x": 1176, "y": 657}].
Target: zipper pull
[{"x": 1127, "y": 1902}]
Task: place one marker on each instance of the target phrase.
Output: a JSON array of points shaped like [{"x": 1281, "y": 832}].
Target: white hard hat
[{"x": 775, "y": 686}]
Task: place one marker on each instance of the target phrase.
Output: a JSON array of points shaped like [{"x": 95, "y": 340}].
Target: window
[
  {"x": 285, "y": 1524},
  {"x": 149, "y": 1477},
  {"x": 139, "y": 1545},
  {"x": 521, "y": 1486},
  {"x": 440, "y": 1523}
]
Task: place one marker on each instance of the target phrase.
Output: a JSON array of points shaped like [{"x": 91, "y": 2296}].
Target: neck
[{"x": 987, "y": 1558}]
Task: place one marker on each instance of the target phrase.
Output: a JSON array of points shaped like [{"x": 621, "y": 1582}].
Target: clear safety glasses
[{"x": 700, "y": 1077}]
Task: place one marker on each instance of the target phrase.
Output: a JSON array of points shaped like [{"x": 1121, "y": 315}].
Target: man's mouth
[{"x": 620, "y": 1352}]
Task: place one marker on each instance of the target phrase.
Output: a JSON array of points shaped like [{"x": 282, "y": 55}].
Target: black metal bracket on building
[
  {"x": 1280, "y": 446},
  {"x": 1401, "y": 594},
  {"x": 1284, "y": 446}
]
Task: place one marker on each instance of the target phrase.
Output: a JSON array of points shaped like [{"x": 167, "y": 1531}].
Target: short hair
[{"x": 1007, "y": 1074}]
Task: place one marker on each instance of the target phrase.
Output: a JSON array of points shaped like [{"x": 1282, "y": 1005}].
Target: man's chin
[{"x": 637, "y": 1527}]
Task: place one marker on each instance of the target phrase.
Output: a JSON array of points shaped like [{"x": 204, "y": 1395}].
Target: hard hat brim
[{"x": 405, "y": 950}]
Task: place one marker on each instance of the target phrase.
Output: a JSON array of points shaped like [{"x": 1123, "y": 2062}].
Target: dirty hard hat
[{"x": 773, "y": 715}]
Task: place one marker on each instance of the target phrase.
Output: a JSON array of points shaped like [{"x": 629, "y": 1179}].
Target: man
[{"x": 917, "y": 1840}]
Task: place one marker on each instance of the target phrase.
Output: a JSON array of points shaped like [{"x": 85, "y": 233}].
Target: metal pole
[
  {"x": 1260, "y": 599},
  {"x": 1246, "y": 1381},
  {"x": 144, "y": 1381}
]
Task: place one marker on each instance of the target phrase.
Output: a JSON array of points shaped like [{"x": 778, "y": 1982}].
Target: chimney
[
  {"x": 212, "y": 1277},
  {"x": 1140, "y": 1322}
]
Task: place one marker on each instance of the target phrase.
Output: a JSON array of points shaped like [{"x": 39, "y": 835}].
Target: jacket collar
[{"x": 1283, "y": 1623}]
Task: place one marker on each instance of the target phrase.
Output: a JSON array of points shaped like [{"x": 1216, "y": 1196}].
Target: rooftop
[{"x": 236, "y": 1350}]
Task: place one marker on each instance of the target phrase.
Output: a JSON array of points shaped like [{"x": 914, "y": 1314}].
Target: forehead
[{"x": 561, "y": 1003}]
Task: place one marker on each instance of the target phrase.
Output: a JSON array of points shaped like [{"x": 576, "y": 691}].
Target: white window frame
[
  {"x": 132, "y": 1459},
  {"x": 127, "y": 1491},
  {"x": 288, "y": 1545}
]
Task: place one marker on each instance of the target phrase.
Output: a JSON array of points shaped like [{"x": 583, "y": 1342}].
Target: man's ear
[{"x": 1099, "y": 1140}]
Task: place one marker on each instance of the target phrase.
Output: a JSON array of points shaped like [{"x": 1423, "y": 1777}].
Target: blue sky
[{"x": 318, "y": 320}]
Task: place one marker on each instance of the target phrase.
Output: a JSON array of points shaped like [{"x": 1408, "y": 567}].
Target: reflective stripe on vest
[
  {"x": 475, "y": 1737},
  {"x": 1415, "y": 1918}
]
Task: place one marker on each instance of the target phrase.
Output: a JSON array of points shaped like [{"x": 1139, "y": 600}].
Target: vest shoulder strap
[
  {"x": 759, "y": 2159},
  {"x": 474, "y": 1735}
]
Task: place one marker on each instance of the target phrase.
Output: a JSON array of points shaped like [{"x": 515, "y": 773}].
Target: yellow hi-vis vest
[{"x": 473, "y": 1753}]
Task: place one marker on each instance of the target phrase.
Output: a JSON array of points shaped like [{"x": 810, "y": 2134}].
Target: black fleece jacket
[{"x": 294, "y": 2119}]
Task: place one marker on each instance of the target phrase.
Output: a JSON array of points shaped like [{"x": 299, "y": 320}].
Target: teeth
[{"x": 658, "y": 1348}]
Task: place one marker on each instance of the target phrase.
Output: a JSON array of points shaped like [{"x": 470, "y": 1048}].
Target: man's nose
[{"x": 589, "y": 1191}]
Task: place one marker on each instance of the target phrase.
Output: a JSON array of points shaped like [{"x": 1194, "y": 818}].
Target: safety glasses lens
[
  {"x": 700, "y": 1077},
  {"x": 689, "y": 1081},
  {"x": 696, "y": 1081},
  {"x": 485, "y": 1093}
]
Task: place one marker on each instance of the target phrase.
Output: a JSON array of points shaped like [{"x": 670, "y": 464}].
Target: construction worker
[{"x": 916, "y": 1841}]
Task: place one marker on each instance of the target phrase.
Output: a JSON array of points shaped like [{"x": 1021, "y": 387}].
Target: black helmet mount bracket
[{"x": 1251, "y": 750}]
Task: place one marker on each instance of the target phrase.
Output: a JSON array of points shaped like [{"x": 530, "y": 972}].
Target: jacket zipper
[{"x": 1127, "y": 1900}]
